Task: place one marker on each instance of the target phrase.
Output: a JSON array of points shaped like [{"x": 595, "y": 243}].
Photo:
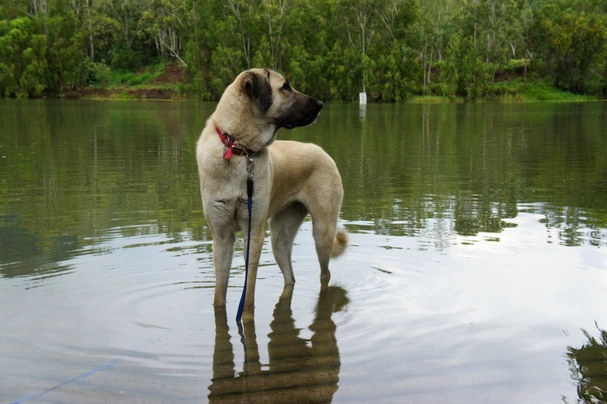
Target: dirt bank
[{"x": 160, "y": 88}]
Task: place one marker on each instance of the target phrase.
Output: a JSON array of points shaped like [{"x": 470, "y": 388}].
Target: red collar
[{"x": 231, "y": 145}]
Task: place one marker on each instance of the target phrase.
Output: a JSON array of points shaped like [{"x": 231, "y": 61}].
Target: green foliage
[
  {"x": 464, "y": 70},
  {"x": 543, "y": 92},
  {"x": 23, "y": 59},
  {"x": 331, "y": 49},
  {"x": 224, "y": 67},
  {"x": 123, "y": 96},
  {"x": 93, "y": 74},
  {"x": 573, "y": 35},
  {"x": 102, "y": 74},
  {"x": 588, "y": 365},
  {"x": 123, "y": 77},
  {"x": 39, "y": 51}
]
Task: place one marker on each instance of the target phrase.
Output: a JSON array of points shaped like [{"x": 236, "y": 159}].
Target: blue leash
[
  {"x": 246, "y": 259},
  {"x": 115, "y": 360},
  {"x": 137, "y": 350}
]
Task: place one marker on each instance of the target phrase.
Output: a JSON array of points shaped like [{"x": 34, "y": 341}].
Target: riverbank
[
  {"x": 172, "y": 82},
  {"x": 159, "y": 82}
]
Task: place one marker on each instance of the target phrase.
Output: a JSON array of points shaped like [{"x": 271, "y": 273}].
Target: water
[{"x": 477, "y": 257}]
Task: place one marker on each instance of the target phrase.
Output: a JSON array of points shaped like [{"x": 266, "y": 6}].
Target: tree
[
  {"x": 361, "y": 20},
  {"x": 23, "y": 58},
  {"x": 330, "y": 48},
  {"x": 466, "y": 72},
  {"x": 246, "y": 13},
  {"x": 573, "y": 37},
  {"x": 428, "y": 36},
  {"x": 397, "y": 16},
  {"x": 275, "y": 13},
  {"x": 63, "y": 44},
  {"x": 163, "y": 20},
  {"x": 130, "y": 47}
]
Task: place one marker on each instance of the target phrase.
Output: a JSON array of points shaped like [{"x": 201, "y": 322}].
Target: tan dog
[{"x": 291, "y": 179}]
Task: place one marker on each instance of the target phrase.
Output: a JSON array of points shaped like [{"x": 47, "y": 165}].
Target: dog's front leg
[
  {"x": 257, "y": 238},
  {"x": 223, "y": 250}
]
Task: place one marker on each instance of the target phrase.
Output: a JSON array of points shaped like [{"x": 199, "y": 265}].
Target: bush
[
  {"x": 93, "y": 74},
  {"x": 102, "y": 74}
]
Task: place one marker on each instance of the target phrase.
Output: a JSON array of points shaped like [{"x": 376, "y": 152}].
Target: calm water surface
[{"x": 477, "y": 270}]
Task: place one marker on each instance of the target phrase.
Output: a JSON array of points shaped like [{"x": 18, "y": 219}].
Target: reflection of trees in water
[
  {"x": 96, "y": 171},
  {"x": 300, "y": 370},
  {"x": 24, "y": 253},
  {"x": 588, "y": 366},
  {"x": 77, "y": 175},
  {"x": 440, "y": 171},
  {"x": 574, "y": 226}
]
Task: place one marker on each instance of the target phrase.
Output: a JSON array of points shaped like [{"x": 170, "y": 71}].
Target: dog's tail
[{"x": 340, "y": 243}]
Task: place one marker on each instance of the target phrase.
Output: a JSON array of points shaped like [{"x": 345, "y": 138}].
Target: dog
[{"x": 290, "y": 179}]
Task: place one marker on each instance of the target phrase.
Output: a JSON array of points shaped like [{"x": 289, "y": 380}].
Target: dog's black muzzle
[{"x": 303, "y": 113}]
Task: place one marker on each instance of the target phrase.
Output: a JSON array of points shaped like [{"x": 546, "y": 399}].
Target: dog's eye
[{"x": 287, "y": 86}]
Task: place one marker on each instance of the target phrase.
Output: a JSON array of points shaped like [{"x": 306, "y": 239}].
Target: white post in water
[{"x": 362, "y": 98}]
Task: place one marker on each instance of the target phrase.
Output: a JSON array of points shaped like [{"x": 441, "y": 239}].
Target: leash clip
[
  {"x": 250, "y": 164},
  {"x": 250, "y": 179}
]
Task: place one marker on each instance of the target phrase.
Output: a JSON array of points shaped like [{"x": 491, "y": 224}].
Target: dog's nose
[{"x": 319, "y": 104}]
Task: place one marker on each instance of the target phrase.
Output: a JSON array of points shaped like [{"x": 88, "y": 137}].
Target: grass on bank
[
  {"x": 513, "y": 91},
  {"x": 533, "y": 91},
  {"x": 122, "y": 84},
  {"x": 121, "y": 77},
  {"x": 434, "y": 99}
]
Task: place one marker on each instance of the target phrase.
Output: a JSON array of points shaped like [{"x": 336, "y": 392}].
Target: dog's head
[{"x": 275, "y": 101}]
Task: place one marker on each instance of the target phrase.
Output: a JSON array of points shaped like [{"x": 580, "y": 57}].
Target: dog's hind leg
[
  {"x": 324, "y": 220},
  {"x": 283, "y": 229},
  {"x": 324, "y": 234}
]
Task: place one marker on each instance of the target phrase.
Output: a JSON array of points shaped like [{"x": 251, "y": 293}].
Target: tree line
[{"x": 332, "y": 49}]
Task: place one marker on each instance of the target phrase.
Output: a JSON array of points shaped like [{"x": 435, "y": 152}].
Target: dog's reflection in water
[{"x": 300, "y": 370}]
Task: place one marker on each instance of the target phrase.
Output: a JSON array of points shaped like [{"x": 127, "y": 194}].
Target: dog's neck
[
  {"x": 232, "y": 146},
  {"x": 250, "y": 134}
]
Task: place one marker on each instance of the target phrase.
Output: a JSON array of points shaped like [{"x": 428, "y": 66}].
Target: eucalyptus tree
[
  {"x": 130, "y": 44},
  {"x": 431, "y": 34},
  {"x": 39, "y": 47},
  {"x": 309, "y": 34},
  {"x": 361, "y": 19},
  {"x": 396, "y": 17},
  {"x": 84, "y": 11},
  {"x": 396, "y": 67},
  {"x": 64, "y": 41},
  {"x": 163, "y": 20},
  {"x": 572, "y": 37},
  {"x": 275, "y": 16},
  {"x": 129, "y": 14},
  {"x": 246, "y": 12},
  {"x": 490, "y": 24},
  {"x": 22, "y": 58},
  {"x": 527, "y": 14}
]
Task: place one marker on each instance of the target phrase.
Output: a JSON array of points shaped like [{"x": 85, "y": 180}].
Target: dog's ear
[{"x": 258, "y": 88}]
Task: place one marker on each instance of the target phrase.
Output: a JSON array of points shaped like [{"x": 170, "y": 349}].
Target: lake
[{"x": 477, "y": 270}]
